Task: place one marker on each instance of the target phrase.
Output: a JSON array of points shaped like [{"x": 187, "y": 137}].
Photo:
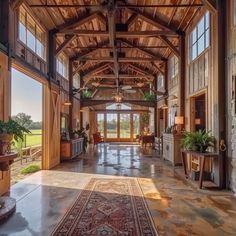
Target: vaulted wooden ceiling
[{"x": 117, "y": 41}]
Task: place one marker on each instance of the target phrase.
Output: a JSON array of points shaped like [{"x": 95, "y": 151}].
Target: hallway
[{"x": 177, "y": 208}]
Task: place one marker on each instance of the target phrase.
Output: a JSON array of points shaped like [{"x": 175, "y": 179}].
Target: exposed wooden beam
[
  {"x": 112, "y": 35},
  {"x": 122, "y": 59},
  {"x": 156, "y": 21},
  {"x": 88, "y": 52},
  {"x": 121, "y": 76},
  {"x": 140, "y": 69},
  {"x": 78, "y": 69},
  {"x": 122, "y": 46},
  {"x": 119, "y": 34},
  {"x": 131, "y": 20},
  {"x": 103, "y": 7},
  {"x": 166, "y": 41},
  {"x": 85, "y": 103},
  {"x": 95, "y": 69},
  {"x": 16, "y": 3},
  {"x": 158, "y": 68},
  {"x": 78, "y": 22},
  {"x": 67, "y": 41},
  {"x": 142, "y": 50},
  {"x": 210, "y": 5}
]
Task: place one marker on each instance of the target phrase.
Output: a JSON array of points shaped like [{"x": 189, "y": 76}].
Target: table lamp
[{"x": 179, "y": 121}]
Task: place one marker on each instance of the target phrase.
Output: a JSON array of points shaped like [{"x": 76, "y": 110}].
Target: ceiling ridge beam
[
  {"x": 156, "y": 21},
  {"x": 166, "y": 41}
]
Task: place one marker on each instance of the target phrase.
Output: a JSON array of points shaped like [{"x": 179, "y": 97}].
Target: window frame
[
  {"x": 62, "y": 60},
  {"x": 193, "y": 44},
  {"x": 42, "y": 42},
  {"x": 174, "y": 67}
]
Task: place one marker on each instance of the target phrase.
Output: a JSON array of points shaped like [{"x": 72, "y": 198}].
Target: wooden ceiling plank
[
  {"x": 156, "y": 21},
  {"x": 166, "y": 41}
]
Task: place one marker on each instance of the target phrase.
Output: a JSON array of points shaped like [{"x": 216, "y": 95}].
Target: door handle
[{"x": 222, "y": 146}]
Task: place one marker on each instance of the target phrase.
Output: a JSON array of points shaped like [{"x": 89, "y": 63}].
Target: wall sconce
[
  {"x": 67, "y": 103},
  {"x": 197, "y": 121},
  {"x": 164, "y": 107}
]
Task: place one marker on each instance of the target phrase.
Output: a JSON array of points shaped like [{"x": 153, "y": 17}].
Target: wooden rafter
[
  {"x": 78, "y": 22},
  {"x": 16, "y": 3},
  {"x": 95, "y": 69},
  {"x": 120, "y": 59},
  {"x": 88, "y": 52},
  {"x": 210, "y": 5},
  {"x": 121, "y": 76},
  {"x": 142, "y": 50},
  {"x": 166, "y": 41},
  {"x": 131, "y": 20},
  {"x": 156, "y": 21},
  {"x": 67, "y": 41},
  {"x": 126, "y": 34},
  {"x": 140, "y": 69}
]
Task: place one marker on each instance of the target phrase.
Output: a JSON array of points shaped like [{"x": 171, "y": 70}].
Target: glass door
[
  {"x": 125, "y": 128},
  {"x": 100, "y": 123},
  {"x": 112, "y": 125},
  {"x": 136, "y": 125}
]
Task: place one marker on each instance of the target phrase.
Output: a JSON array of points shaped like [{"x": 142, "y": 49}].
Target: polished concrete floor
[{"x": 177, "y": 207}]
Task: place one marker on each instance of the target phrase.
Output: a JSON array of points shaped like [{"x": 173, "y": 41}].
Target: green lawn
[{"x": 33, "y": 139}]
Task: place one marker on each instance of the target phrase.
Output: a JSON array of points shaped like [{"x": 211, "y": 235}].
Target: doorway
[
  {"x": 198, "y": 119},
  {"x": 27, "y": 109},
  {"x": 118, "y": 126}
]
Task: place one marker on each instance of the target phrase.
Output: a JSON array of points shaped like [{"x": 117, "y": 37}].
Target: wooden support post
[
  {"x": 81, "y": 113},
  {"x": 181, "y": 95},
  {"x": 166, "y": 78},
  {"x": 4, "y": 22},
  {"x": 155, "y": 108},
  {"x": 222, "y": 97},
  {"x": 51, "y": 54},
  {"x": 71, "y": 97}
]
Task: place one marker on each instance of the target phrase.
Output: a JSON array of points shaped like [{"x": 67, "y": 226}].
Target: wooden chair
[{"x": 97, "y": 138}]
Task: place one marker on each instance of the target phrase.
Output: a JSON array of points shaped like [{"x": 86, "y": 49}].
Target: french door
[{"x": 118, "y": 126}]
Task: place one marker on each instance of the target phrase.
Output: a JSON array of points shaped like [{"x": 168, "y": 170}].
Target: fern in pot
[
  {"x": 198, "y": 141},
  {"x": 9, "y": 130}
]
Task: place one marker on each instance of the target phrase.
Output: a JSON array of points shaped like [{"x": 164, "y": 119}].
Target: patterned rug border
[{"x": 87, "y": 187}]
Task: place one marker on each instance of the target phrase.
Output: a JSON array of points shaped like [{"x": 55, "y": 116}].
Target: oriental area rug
[{"x": 108, "y": 207}]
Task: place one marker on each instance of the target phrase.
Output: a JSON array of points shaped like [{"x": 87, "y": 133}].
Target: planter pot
[{"x": 5, "y": 140}]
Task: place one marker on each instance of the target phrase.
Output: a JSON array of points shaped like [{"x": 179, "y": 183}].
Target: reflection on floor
[{"x": 177, "y": 208}]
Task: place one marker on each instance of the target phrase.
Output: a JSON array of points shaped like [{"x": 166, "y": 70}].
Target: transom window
[
  {"x": 174, "y": 67},
  {"x": 31, "y": 34},
  {"x": 199, "y": 38},
  {"x": 62, "y": 65},
  {"x": 160, "y": 81},
  {"x": 114, "y": 107}
]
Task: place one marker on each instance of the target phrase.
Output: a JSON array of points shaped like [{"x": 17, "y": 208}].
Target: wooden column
[
  {"x": 222, "y": 97},
  {"x": 51, "y": 54},
  {"x": 155, "y": 108},
  {"x": 4, "y": 22},
  {"x": 166, "y": 78},
  {"x": 181, "y": 95},
  {"x": 71, "y": 96},
  {"x": 81, "y": 113}
]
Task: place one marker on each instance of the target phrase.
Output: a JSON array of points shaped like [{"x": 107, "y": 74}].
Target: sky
[{"x": 26, "y": 96}]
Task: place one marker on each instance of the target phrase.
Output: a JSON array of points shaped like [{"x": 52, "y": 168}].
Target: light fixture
[
  {"x": 179, "y": 121},
  {"x": 172, "y": 98},
  {"x": 118, "y": 106},
  {"x": 197, "y": 121},
  {"x": 118, "y": 98},
  {"x": 67, "y": 103},
  {"x": 164, "y": 107}
]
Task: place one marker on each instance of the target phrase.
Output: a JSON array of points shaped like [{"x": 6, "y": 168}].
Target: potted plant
[
  {"x": 9, "y": 130},
  {"x": 198, "y": 141},
  {"x": 149, "y": 97},
  {"x": 86, "y": 94},
  {"x": 81, "y": 133}
]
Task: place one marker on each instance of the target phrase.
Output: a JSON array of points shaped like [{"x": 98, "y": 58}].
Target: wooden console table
[
  {"x": 71, "y": 149},
  {"x": 202, "y": 157},
  {"x": 6, "y": 160}
]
